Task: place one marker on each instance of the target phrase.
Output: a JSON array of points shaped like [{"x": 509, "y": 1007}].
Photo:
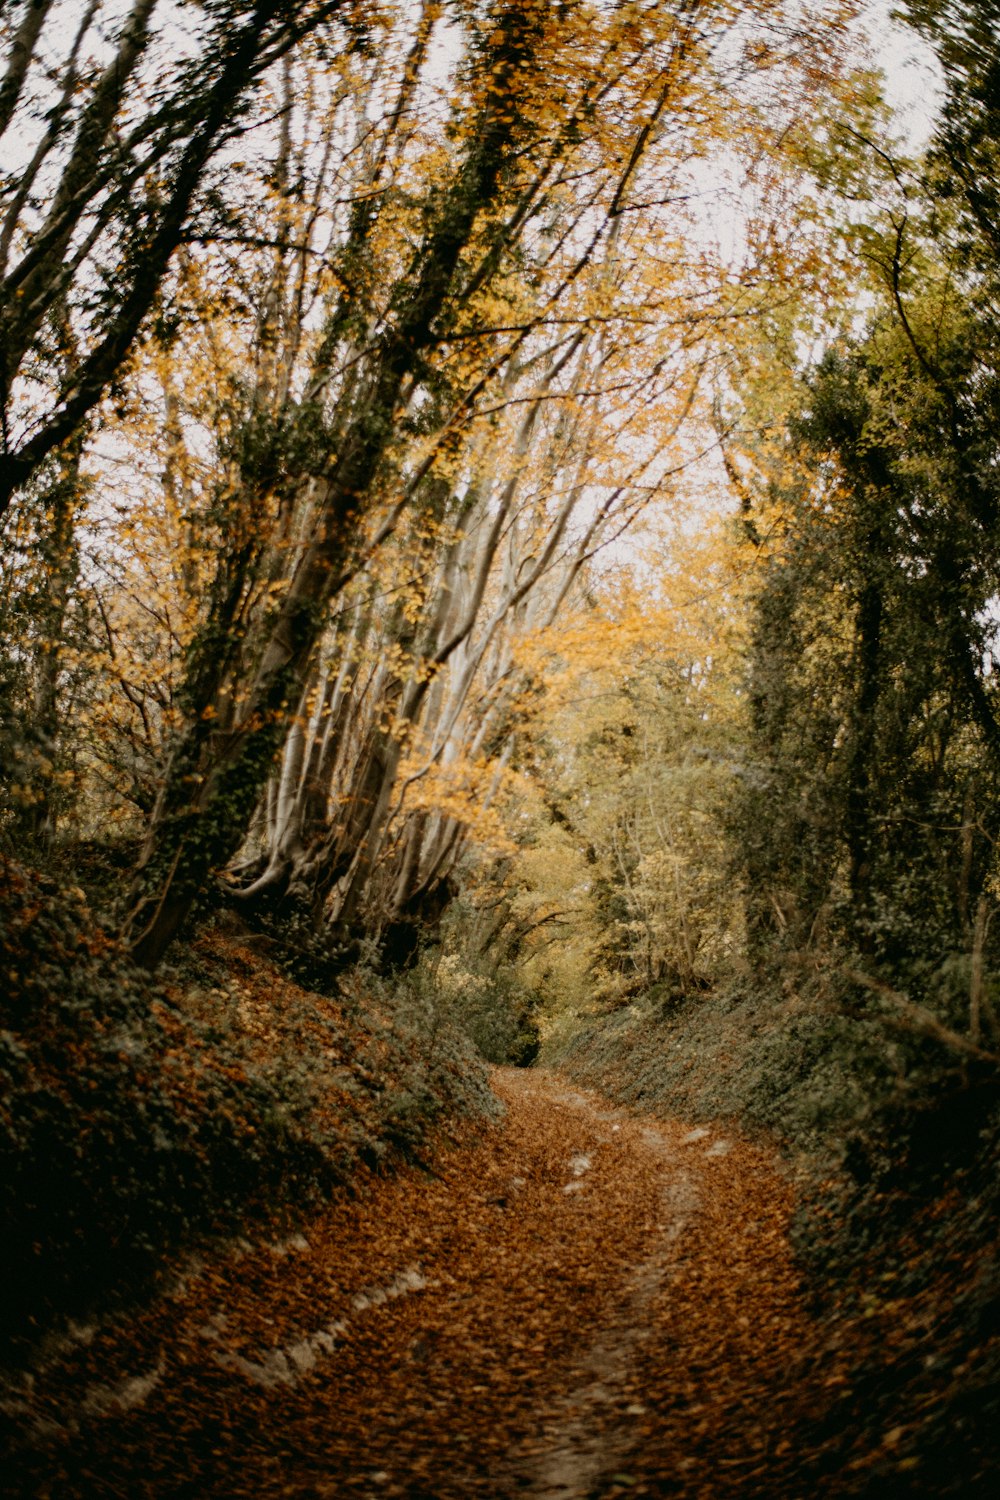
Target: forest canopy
[{"x": 341, "y": 345}]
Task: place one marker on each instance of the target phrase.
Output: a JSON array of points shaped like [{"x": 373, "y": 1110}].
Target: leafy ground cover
[
  {"x": 574, "y": 1299},
  {"x": 895, "y": 1147},
  {"x": 139, "y": 1116},
  {"x": 568, "y": 1301}
]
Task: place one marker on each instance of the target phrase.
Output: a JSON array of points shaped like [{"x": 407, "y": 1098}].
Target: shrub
[{"x": 492, "y": 1009}]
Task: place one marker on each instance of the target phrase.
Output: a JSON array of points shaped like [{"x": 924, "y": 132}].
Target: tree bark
[{"x": 216, "y": 775}]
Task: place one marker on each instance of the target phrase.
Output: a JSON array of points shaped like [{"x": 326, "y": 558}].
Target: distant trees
[{"x": 617, "y": 879}]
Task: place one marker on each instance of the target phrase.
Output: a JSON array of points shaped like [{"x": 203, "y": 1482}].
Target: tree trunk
[{"x": 217, "y": 774}]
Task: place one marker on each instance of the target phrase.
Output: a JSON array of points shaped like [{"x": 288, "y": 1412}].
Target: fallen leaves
[{"x": 466, "y": 1330}]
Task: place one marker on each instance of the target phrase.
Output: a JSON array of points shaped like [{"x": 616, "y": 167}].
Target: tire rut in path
[
  {"x": 581, "y": 1453},
  {"x": 576, "y": 1303}
]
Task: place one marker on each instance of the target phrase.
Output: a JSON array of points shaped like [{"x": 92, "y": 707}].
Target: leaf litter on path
[{"x": 467, "y": 1328}]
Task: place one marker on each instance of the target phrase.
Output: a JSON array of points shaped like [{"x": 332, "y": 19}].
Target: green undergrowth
[
  {"x": 140, "y": 1115},
  {"x": 489, "y": 1005},
  {"x": 895, "y": 1140},
  {"x": 784, "y": 1064},
  {"x": 438, "y": 988}
]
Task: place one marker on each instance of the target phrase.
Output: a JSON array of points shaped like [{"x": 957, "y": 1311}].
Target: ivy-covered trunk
[{"x": 224, "y": 756}]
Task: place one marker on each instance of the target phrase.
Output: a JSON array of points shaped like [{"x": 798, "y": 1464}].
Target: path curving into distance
[{"x": 574, "y": 1303}]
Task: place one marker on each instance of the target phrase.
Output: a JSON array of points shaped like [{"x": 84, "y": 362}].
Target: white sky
[{"x": 912, "y": 75}]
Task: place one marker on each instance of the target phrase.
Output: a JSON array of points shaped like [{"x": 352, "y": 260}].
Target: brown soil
[{"x": 574, "y": 1302}]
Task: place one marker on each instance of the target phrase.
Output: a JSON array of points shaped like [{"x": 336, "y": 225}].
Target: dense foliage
[
  {"x": 140, "y": 1116},
  {"x": 873, "y": 719},
  {"x": 399, "y": 372}
]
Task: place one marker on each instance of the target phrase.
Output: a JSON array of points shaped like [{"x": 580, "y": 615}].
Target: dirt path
[{"x": 575, "y": 1304}]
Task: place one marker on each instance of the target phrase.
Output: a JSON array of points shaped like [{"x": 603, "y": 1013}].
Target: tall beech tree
[{"x": 221, "y": 763}]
